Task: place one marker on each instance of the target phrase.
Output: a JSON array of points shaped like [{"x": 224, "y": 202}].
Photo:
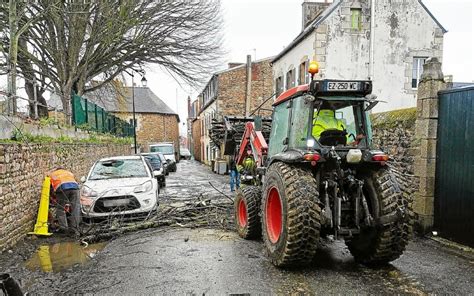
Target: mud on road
[{"x": 175, "y": 260}]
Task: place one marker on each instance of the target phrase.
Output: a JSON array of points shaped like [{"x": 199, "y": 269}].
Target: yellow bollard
[{"x": 41, "y": 226}]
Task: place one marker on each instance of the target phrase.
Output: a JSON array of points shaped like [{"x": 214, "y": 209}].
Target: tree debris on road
[{"x": 191, "y": 212}]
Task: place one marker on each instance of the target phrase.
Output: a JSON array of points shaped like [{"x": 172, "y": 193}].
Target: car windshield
[
  {"x": 162, "y": 149},
  {"x": 154, "y": 161},
  {"x": 118, "y": 168}
]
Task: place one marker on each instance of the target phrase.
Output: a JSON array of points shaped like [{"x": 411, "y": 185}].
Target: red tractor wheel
[
  {"x": 290, "y": 214},
  {"x": 247, "y": 207}
]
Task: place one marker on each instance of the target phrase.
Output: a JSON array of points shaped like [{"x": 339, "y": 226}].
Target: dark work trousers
[{"x": 73, "y": 218}]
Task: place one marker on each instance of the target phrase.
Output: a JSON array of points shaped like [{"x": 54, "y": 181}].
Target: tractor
[{"x": 310, "y": 184}]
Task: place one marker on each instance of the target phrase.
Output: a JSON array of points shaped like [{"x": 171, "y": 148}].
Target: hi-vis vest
[
  {"x": 60, "y": 177},
  {"x": 325, "y": 120}
]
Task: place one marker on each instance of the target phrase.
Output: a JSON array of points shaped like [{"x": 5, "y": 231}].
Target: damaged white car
[{"x": 123, "y": 185}]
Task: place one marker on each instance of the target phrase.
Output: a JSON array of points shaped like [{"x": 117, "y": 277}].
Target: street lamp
[
  {"x": 144, "y": 81},
  {"x": 134, "y": 119}
]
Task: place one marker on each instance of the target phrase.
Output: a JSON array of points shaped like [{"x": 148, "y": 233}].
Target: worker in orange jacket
[{"x": 68, "y": 208}]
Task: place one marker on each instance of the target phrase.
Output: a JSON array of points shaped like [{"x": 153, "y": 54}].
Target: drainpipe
[
  {"x": 372, "y": 40},
  {"x": 249, "y": 85}
]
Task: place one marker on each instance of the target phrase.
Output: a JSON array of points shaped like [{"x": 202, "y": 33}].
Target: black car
[
  {"x": 163, "y": 160},
  {"x": 157, "y": 165}
]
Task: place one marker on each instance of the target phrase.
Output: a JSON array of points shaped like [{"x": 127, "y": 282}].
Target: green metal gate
[{"x": 454, "y": 192}]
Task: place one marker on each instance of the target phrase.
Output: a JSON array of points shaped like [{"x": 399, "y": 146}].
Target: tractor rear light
[
  {"x": 380, "y": 157},
  {"x": 312, "y": 157}
]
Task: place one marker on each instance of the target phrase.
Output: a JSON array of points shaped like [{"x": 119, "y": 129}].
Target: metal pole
[
  {"x": 35, "y": 97},
  {"x": 12, "y": 57},
  {"x": 249, "y": 85},
  {"x": 372, "y": 40},
  {"x": 134, "y": 120}
]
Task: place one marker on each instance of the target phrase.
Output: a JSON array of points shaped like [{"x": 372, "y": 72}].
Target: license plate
[
  {"x": 116, "y": 203},
  {"x": 343, "y": 86}
]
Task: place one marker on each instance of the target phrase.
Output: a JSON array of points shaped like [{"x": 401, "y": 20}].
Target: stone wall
[
  {"x": 154, "y": 127},
  {"x": 22, "y": 169},
  {"x": 394, "y": 132}
]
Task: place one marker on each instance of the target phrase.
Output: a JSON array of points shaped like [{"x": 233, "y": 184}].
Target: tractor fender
[{"x": 289, "y": 156}]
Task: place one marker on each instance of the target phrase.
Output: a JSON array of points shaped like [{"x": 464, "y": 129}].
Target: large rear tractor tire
[
  {"x": 290, "y": 215},
  {"x": 391, "y": 210},
  {"x": 247, "y": 216}
]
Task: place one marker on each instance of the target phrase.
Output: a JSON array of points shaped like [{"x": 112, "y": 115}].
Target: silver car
[{"x": 119, "y": 186}]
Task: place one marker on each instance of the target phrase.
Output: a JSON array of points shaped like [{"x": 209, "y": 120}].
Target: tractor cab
[{"x": 310, "y": 122}]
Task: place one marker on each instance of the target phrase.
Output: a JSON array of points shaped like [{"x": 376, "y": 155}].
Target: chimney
[
  {"x": 189, "y": 107},
  {"x": 311, "y": 10}
]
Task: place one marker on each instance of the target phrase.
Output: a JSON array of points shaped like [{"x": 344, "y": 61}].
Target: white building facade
[{"x": 386, "y": 41}]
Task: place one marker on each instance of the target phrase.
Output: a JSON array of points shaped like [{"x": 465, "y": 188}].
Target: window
[
  {"x": 303, "y": 73},
  {"x": 279, "y": 133},
  {"x": 299, "y": 121},
  {"x": 290, "y": 79},
  {"x": 356, "y": 19},
  {"x": 417, "y": 70},
  {"x": 279, "y": 86}
]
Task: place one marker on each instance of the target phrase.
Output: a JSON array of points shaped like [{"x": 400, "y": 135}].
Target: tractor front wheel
[
  {"x": 246, "y": 208},
  {"x": 290, "y": 214},
  {"x": 391, "y": 209}
]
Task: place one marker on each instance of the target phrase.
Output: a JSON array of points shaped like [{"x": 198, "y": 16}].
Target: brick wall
[
  {"x": 22, "y": 169},
  {"x": 232, "y": 85},
  {"x": 153, "y": 127},
  {"x": 196, "y": 130}
]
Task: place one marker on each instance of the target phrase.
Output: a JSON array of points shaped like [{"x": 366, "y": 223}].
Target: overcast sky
[{"x": 263, "y": 28}]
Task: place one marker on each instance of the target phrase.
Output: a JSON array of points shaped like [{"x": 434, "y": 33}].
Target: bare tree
[{"x": 78, "y": 40}]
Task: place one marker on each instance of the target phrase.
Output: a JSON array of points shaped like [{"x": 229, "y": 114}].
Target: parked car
[
  {"x": 184, "y": 153},
  {"x": 164, "y": 161},
  {"x": 167, "y": 148},
  {"x": 120, "y": 185},
  {"x": 157, "y": 166}
]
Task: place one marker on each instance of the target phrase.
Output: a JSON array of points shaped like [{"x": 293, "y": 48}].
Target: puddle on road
[{"x": 60, "y": 256}]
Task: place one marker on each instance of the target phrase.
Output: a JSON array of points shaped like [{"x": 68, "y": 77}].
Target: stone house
[
  {"x": 155, "y": 121},
  {"x": 386, "y": 41},
  {"x": 194, "y": 129},
  {"x": 226, "y": 95}
]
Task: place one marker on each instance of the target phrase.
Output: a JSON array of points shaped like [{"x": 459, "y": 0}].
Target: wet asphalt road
[{"x": 179, "y": 261}]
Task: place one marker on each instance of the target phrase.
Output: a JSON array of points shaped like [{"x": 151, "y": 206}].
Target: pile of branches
[
  {"x": 232, "y": 129},
  {"x": 189, "y": 213}
]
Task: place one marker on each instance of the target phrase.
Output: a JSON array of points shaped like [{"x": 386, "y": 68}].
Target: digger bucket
[{"x": 9, "y": 286}]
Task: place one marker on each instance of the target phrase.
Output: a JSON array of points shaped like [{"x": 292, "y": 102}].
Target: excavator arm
[{"x": 257, "y": 143}]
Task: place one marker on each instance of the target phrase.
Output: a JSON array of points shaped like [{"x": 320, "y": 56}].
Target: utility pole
[
  {"x": 248, "y": 89},
  {"x": 12, "y": 56}
]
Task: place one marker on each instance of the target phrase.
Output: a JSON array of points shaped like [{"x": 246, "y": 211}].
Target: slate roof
[
  {"x": 327, "y": 12},
  {"x": 121, "y": 100}
]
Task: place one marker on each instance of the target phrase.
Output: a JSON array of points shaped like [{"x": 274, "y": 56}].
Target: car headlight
[
  {"x": 145, "y": 187},
  {"x": 88, "y": 192}
]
